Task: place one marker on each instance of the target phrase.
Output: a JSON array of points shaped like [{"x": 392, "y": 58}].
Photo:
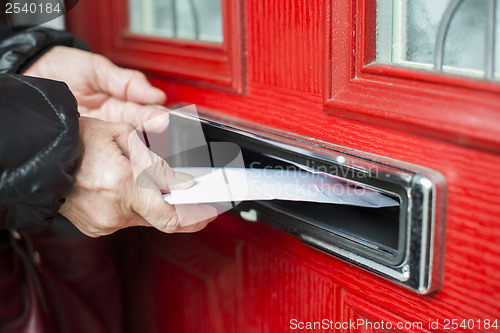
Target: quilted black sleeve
[
  {"x": 21, "y": 49},
  {"x": 39, "y": 146}
]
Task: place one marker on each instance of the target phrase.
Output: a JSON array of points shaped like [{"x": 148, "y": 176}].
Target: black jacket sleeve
[
  {"x": 39, "y": 142},
  {"x": 38, "y": 148},
  {"x": 21, "y": 49}
]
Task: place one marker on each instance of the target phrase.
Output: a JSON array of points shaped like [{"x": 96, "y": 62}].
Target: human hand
[
  {"x": 119, "y": 183},
  {"x": 103, "y": 90}
]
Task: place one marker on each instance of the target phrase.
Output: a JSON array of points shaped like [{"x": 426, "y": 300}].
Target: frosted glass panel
[
  {"x": 182, "y": 19},
  {"x": 407, "y": 32}
]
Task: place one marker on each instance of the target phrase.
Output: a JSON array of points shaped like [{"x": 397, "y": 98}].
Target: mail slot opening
[
  {"x": 377, "y": 233},
  {"x": 401, "y": 241}
]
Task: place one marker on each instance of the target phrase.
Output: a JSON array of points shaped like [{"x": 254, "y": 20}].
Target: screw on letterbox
[{"x": 406, "y": 272}]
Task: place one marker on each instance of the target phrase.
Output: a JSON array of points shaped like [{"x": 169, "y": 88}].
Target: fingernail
[
  {"x": 184, "y": 177},
  {"x": 185, "y": 180}
]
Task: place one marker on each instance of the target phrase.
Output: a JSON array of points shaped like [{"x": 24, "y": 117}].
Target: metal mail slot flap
[{"x": 404, "y": 243}]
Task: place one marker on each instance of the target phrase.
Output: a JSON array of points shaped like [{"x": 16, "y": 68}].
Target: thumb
[
  {"x": 149, "y": 169},
  {"x": 151, "y": 206}
]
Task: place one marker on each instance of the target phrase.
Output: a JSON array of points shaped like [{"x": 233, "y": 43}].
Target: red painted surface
[
  {"x": 443, "y": 106},
  {"x": 306, "y": 72},
  {"x": 219, "y": 66}
]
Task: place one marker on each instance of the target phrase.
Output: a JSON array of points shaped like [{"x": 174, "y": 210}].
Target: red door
[{"x": 313, "y": 68}]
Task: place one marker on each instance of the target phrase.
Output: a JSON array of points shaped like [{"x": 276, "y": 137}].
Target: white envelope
[{"x": 239, "y": 184}]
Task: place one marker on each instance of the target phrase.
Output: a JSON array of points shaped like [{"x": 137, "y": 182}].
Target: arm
[
  {"x": 115, "y": 183},
  {"x": 39, "y": 141},
  {"x": 38, "y": 148},
  {"x": 106, "y": 194},
  {"x": 119, "y": 183}
]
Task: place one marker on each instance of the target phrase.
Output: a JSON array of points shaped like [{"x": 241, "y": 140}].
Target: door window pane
[
  {"x": 181, "y": 19},
  {"x": 408, "y": 35}
]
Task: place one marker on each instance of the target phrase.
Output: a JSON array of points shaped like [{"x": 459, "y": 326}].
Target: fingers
[
  {"x": 147, "y": 165},
  {"x": 192, "y": 218},
  {"x": 126, "y": 84},
  {"x": 106, "y": 196},
  {"x": 153, "y": 118},
  {"x": 149, "y": 203},
  {"x": 163, "y": 176},
  {"x": 153, "y": 176}
]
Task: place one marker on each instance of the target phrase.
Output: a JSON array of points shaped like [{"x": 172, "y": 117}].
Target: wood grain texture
[
  {"x": 274, "y": 282},
  {"x": 218, "y": 66},
  {"x": 370, "y": 317},
  {"x": 284, "y": 49},
  {"x": 464, "y": 110},
  {"x": 280, "y": 277},
  {"x": 197, "y": 282}
]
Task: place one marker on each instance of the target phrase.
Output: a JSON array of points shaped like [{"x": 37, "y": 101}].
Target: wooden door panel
[
  {"x": 285, "y": 50},
  {"x": 282, "y": 291},
  {"x": 197, "y": 281},
  {"x": 306, "y": 73},
  {"x": 361, "y": 315}
]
